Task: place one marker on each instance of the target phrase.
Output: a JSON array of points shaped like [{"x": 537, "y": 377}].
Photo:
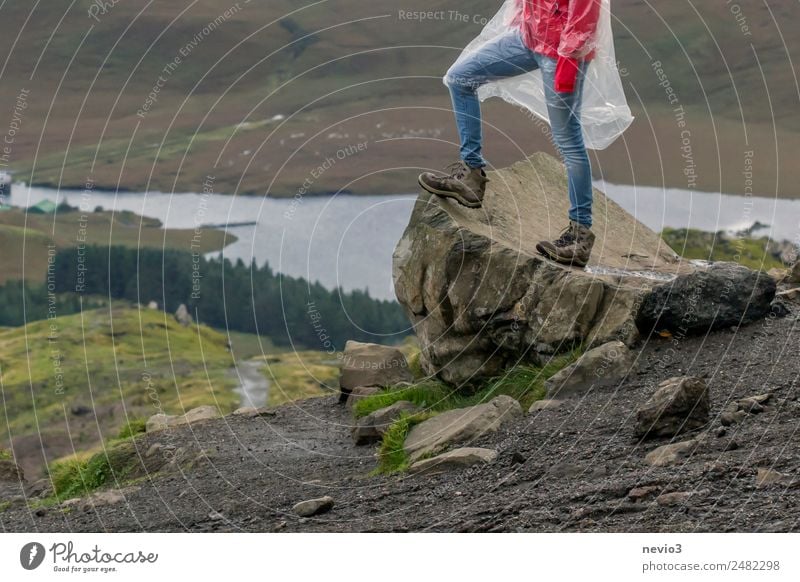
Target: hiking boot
[
  {"x": 573, "y": 247},
  {"x": 464, "y": 184}
]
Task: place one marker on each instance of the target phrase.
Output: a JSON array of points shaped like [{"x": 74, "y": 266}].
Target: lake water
[{"x": 348, "y": 240}]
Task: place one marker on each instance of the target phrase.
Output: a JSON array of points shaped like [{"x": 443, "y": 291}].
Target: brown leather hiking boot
[
  {"x": 573, "y": 247},
  {"x": 464, "y": 184}
]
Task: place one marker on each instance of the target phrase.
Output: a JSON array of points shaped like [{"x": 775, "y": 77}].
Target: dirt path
[
  {"x": 569, "y": 469},
  {"x": 253, "y": 385}
]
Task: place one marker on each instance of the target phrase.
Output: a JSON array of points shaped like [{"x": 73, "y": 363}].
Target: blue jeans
[{"x": 508, "y": 56}]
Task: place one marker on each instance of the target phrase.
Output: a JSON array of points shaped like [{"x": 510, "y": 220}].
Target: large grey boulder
[
  {"x": 678, "y": 405},
  {"x": 365, "y": 364},
  {"x": 461, "y": 425},
  {"x": 600, "y": 366},
  {"x": 481, "y": 298}
]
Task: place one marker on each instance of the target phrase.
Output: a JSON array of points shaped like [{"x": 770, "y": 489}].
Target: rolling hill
[{"x": 289, "y": 98}]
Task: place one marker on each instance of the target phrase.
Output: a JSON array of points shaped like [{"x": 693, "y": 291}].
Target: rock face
[
  {"x": 678, "y": 405},
  {"x": 459, "y": 426},
  {"x": 603, "y": 365},
  {"x": 720, "y": 296},
  {"x": 162, "y": 421},
  {"x": 453, "y": 460},
  {"x": 372, "y": 427},
  {"x": 481, "y": 298},
  {"x": 371, "y": 365}
]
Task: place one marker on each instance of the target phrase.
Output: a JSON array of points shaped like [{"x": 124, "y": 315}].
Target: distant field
[
  {"x": 261, "y": 99},
  {"x": 26, "y": 238}
]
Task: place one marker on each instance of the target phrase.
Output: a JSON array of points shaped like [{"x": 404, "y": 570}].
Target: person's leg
[
  {"x": 574, "y": 246},
  {"x": 565, "y": 121},
  {"x": 465, "y": 181},
  {"x": 508, "y": 56}
]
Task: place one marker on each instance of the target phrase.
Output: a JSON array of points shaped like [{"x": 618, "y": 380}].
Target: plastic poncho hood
[{"x": 605, "y": 114}]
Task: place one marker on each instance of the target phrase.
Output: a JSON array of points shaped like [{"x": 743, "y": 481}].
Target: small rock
[
  {"x": 678, "y": 405},
  {"x": 604, "y": 365},
  {"x": 732, "y": 445},
  {"x": 547, "y": 404},
  {"x": 372, "y": 427},
  {"x": 670, "y": 454},
  {"x": 779, "y": 309},
  {"x": 790, "y": 294},
  {"x": 215, "y": 516},
  {"x": 313, "y": 507},
  {"x": 731, "y": 418},
  {"x": 365, "y": 364},
  {"x": 452, "y": 460},
  {"x": 460, "y": 425},
  {"x": 359, "y": 393},
  {"x": 518, "y": 458},
  {"x": 40, "y": 489},
  {"x": 641, "y": 493},
  {"x": 721, "y": 432},
  {"x": 670, "y": 499},
  {"x": 110, "y": 497},
  {"x": 767, "y": 477},
  {"x": 253, "y": 412},
  {"x": 162, "y": 421},
  {"x": 183, "y": 316}
]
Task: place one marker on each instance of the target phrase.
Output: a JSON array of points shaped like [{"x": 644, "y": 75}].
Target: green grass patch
[
  {"x": 718, "y": 246},
  {"x": 392, "y": 457},
  {"x": 80, "y": 475},
  {"x": 524, "y": 383},
  {"x": 133, "y": 427},
  {"x": 5, "y": 455}
]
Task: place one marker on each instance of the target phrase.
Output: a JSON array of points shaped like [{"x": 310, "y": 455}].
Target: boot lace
[
  {"x": 566, "y": 239},
  {"x": 456, "y": 170}
]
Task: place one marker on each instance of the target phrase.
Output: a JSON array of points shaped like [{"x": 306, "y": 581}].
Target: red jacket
[{"x": 560, "y": 27}]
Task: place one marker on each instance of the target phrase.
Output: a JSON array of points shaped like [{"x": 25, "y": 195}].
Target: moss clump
[
  {"x": 80, "y": 476},
  {"x": 5, "y": 455},
  {"x": 392, "y": 457},
  {"x": 718, "y": 246},
  {"x": 132, "y": 428}
]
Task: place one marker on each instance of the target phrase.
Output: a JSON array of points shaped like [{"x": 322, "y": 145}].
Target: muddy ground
[{"x": 569, "y": 469}]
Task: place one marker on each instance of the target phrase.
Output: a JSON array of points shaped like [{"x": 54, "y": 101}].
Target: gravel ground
[{"x": 568, "y": 469}]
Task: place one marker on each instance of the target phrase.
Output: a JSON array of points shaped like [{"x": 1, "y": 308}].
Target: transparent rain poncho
[{"x": 605, "y": 114}]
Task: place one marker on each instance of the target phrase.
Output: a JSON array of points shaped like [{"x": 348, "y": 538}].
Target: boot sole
[
  {"x": 447, "y": 194},
  {"x": 571, "y": 262}
]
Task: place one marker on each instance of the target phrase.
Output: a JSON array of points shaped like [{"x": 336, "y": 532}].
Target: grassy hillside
[
  {"x": 26, "y": 238},
  {"x": 64, "y": 390},
  {"x": 259, "y": 94}
]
